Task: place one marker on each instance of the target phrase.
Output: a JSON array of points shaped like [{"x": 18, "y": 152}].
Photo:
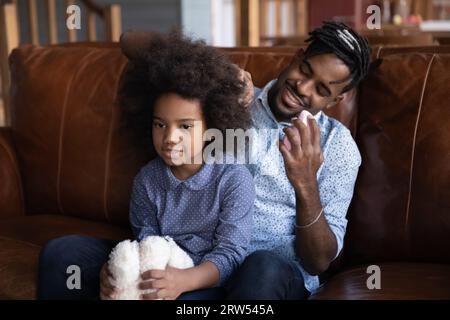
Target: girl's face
[{"x": 177, "y": 130}]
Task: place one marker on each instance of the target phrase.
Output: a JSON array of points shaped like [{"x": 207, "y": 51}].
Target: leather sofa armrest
[{"x": 11, "y": 193}]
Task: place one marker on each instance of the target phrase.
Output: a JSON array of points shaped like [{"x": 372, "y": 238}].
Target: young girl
[
  {"x": 205, "y": 207},
  {"x": 172, "y": 91}
]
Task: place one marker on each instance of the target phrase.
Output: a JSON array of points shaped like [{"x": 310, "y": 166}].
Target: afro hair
[{"x": 175, "y": 63}]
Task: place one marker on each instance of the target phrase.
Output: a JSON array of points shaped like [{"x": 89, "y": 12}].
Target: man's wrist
[
  {"x": 306, "y": 190},
  {"x": 307, "y": 201}
]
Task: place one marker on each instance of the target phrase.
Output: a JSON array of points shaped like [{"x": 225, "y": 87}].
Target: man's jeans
[
  {"x": 89, "y": 254},
  {"x": 265, "y": 275}
]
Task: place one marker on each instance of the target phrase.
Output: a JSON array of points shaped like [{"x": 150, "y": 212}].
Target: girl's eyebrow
[
  {"x": 188, "y": 119},
  {"x": 179, "y": 120}
]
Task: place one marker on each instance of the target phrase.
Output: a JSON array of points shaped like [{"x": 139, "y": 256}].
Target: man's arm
[
  {"x": 316, "y": 244},
  {"x": 320, "y": 209}
]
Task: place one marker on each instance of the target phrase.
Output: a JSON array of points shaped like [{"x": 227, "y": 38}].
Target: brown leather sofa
[{"x": 67, "y": 163}]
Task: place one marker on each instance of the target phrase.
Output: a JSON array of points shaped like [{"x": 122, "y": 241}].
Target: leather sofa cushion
[
  {"x": 18, "y": 261},
  {"x": 22, "y": 238},
  {"x": 38, "y": 229},
  {"x": 398, "y": 281}
]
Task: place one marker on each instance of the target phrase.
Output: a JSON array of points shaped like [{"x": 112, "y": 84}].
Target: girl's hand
[
  {"x": 169, "y": 283},
  {"x": 107, "y": 290}
]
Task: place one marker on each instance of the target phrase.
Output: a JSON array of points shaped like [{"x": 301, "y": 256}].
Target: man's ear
[{"x": 300, "y": 53}]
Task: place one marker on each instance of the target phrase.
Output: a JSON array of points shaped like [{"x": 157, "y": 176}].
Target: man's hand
[
  {"x": 107, "y": 290},
  {"x": 169, "y": 283},
  {"x": 305, "y": 157},
  {"x": 247, "y": 97}
]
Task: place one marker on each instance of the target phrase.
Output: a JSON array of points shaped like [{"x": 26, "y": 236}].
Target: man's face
[{"x": 310, "y": 84}]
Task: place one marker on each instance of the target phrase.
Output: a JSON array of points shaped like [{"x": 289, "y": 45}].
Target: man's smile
[{"x": 290, "y": 98}]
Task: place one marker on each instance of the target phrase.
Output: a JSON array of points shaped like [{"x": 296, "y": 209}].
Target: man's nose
[{"x": 304, "y": 87}]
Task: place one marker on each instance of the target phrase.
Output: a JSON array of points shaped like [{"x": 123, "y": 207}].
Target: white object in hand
[
  {"x": 129, "y": 259},
  {"x": 303, "y": 116}
]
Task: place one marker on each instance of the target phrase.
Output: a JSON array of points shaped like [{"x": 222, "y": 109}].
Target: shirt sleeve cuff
[{"x": 339, "y": 239}]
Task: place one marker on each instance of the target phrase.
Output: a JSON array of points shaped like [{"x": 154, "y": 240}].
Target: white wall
[
  {"x": 222, "y": 13},
  {"x": 211, "y": 20},
  {"x": 196, "y": 18}
]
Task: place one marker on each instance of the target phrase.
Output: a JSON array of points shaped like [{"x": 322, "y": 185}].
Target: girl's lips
[
  {"x": 170, "y": 153},
  {"x": 172, "y": 150}
]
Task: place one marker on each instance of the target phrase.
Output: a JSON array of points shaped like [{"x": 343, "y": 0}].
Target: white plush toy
[{"x": 130, "y": 258}]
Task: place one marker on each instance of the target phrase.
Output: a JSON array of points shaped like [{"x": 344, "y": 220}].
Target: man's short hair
[{"x": 350, "y": 47}]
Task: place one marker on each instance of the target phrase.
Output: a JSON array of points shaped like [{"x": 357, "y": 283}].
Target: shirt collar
[
  {"x": 198, "y": 181},
  {"x": 263, "y": 98}
]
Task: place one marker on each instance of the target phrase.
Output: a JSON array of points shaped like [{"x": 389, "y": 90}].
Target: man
[{"x": 299, "y": 213}]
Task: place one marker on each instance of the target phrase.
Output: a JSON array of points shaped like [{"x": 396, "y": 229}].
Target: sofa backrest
[
  {"x": 74, "y": 158},
  {"x": 401, "y": 205}
]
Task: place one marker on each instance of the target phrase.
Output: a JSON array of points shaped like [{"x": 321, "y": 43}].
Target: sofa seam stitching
[
  {"x": 379, "y": 52},
  {"x": 60, "y": 142},
  {"x": 408, "y": 204},
  {"x": 108, "y": 149}
]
